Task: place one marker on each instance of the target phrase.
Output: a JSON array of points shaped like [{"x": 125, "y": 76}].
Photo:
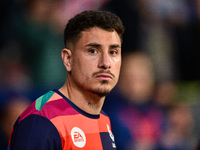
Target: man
[{"x": 71, "y": 117}]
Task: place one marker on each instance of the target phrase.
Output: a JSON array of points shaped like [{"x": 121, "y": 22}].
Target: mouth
[{"x": 103, "y": 76}]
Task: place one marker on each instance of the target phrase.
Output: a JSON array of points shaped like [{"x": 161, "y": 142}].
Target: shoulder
[
  {"x": 35, "y": 132},
  {"x": 47, "y": 105}
]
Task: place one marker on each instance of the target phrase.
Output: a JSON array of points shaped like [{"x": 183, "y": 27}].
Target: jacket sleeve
[{"x": 35, "y": 132}]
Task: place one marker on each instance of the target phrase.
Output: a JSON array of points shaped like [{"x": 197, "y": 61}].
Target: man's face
[{"x": 96, "y": 61}]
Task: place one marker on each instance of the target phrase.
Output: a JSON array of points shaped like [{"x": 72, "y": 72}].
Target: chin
[
  {"x": 101, "y": 92},
  {"x": 103, "y": 89}
]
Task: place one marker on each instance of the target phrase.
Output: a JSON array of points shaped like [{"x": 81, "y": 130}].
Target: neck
[{"x": 88, "y": 102}]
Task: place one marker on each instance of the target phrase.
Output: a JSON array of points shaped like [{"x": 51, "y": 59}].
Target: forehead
[{"x": 100, "y": 36}]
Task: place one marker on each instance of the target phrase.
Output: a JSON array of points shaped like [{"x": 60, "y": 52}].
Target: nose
[{"x": 104, "y": 61}]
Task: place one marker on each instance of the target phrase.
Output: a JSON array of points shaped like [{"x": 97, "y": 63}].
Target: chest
[{"x": 80, "y": 132}]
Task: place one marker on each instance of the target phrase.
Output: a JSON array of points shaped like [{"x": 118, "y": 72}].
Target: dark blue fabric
[
  {"x": 107, "y": 145},
  {"x": 35, "y": 133}
]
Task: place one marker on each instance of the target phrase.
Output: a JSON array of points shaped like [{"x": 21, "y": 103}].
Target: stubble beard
[{"x": 101, "y": 91}]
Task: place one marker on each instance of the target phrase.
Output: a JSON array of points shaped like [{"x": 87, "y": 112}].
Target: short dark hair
[{"x": 89, "y": 19}]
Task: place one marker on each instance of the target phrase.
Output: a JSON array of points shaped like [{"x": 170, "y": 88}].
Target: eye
[
  {"x": 93, "y": 51},
  {"x": 113, "y": 52}
]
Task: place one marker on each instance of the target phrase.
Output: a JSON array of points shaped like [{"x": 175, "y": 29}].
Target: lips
[{"x": 104, "y": 76}]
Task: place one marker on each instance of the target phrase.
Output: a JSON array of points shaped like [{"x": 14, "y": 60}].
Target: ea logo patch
[{"x": 78, "y": 137}]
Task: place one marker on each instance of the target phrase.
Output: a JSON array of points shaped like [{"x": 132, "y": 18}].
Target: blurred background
[{"x": 155, "y": 105}]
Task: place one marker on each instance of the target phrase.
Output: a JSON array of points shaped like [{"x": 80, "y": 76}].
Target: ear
[{"x": 66, "y": 57}]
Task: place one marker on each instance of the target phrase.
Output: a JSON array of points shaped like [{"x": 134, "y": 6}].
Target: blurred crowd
[{"x": 155, "y": 105}]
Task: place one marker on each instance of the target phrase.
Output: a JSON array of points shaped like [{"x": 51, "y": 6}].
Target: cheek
[
  {"x": 81, "y": 69},
  {"x": 117, "y": 67}
]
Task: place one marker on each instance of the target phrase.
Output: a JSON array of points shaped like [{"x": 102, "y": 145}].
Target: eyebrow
[
  {"x": 115, "y": 46},
  {"x": 93, "y": 45},
  {"x": 98, "y": 45}
]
